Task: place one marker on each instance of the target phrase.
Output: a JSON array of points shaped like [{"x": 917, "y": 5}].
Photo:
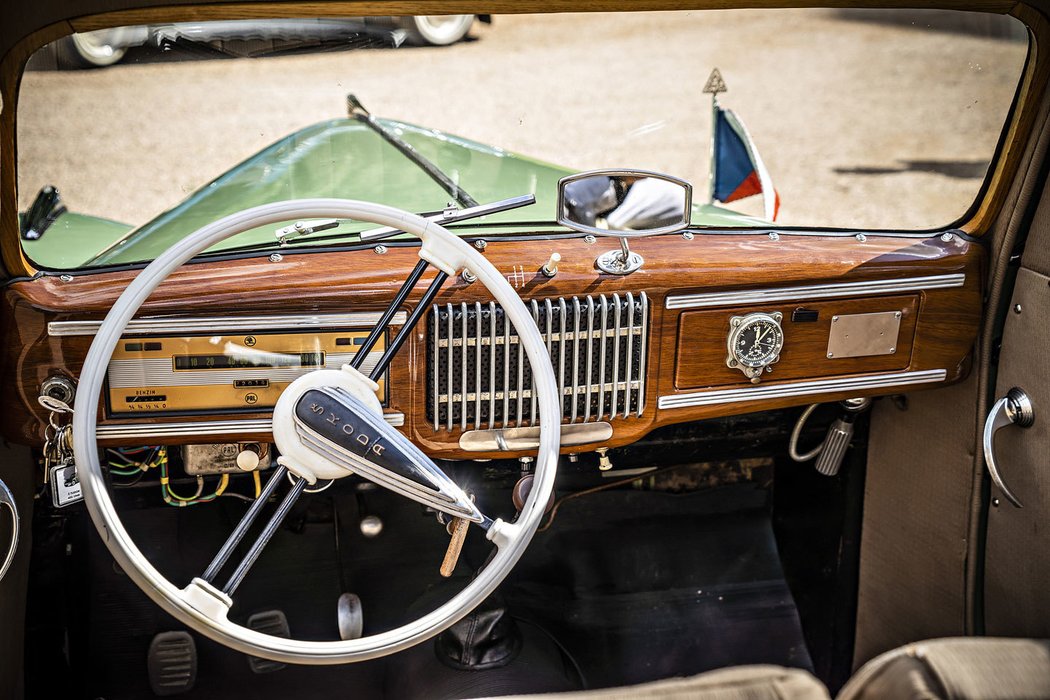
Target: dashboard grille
[{"x": 478, "y": 377}]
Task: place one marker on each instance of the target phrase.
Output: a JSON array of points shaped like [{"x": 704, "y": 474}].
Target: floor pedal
[
  {"x": 272, "y": 622},
  {"x": 172, "y": 663}
]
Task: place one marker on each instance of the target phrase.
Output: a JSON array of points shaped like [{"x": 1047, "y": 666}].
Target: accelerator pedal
[
  {"x": 272, "y": 622},
  {"x": 172, "y": 663}
]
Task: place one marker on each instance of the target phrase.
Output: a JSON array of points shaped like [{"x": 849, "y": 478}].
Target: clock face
[{"x": 757, "y": 341}]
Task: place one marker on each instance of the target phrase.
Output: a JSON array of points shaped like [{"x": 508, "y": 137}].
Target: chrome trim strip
[
  {"x": 513, "y": 439},
  {"x": 437, "y": 365},
  {"x": 821, "y": 386},
  {"x": 816, "y": 291},
  {"x": 590, "y": 358},
  {"x": 477, "y": 364},
  {"x": 630, "y": 355},
  {"x": 644, "y": 359},
  {"x": 221, "y": 324},
  {"x": 492, "y": 365},
  {"x": 562, "y": 341},
  {"x": 150, "y": 431},
  {"x": 463, "y": 369},
  {"x": 601, "y": 359},
  {"x": 448, "y": 364},
  {"x": 576, "y": 357}
]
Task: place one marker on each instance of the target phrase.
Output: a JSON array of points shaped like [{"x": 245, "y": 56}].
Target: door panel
[{"x": 1017, "y": 567}]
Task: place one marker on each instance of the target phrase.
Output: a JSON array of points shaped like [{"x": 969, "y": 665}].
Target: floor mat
[{"x": 691, "y": 583}]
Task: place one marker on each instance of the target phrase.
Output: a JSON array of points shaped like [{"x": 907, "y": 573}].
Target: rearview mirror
[{"x": 624, "y": 203}]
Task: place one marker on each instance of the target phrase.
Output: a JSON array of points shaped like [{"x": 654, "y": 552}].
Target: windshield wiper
[
  {"x": 300, "y": 229},
  {"x": 355, "y": 110}
]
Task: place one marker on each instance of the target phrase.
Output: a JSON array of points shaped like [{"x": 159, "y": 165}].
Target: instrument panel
[
  {"x": 241, "y": 373},
  {"x": 200, "y": 365}
]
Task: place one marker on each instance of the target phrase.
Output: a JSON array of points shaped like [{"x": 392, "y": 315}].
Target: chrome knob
[{"x": 1013, "y": 409}]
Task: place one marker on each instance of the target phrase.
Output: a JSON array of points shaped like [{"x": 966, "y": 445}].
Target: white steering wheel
[{"x": 314, "y": 446}]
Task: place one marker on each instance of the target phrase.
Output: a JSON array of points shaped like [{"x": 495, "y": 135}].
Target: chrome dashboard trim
[
  {"x": 223, "y": 324},
  {"x": 816, "y": 291},
  {"x": 528, "y": 438},
  {"x": 149, "y": 431},
  {"x": 820, "y": 386}
]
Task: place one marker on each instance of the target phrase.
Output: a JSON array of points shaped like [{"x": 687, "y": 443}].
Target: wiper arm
[
  {"x": 286, "y": 234},
  {"x": 356, "y": 110},
  {"x": 452, "y": 215}
]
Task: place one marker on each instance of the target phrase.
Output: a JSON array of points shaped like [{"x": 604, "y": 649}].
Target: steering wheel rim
[{"x": 208, "y": 616}]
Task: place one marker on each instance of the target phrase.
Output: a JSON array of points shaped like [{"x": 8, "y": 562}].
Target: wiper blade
[{"x": 357, "y": 111}]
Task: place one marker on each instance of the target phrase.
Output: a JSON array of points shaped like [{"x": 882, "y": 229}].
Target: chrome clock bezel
[{"x": 738, "y": 325}]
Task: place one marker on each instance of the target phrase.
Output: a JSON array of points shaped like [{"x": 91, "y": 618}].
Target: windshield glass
[{"x": 130, "y": 139}]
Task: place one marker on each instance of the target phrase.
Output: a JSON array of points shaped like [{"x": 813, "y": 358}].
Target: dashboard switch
[{"x": 550, "y": 268}]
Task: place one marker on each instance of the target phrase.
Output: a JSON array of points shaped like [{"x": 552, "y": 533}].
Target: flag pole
[{"x": 715, "y": 84}]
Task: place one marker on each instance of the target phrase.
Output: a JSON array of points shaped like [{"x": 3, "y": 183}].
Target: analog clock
[{"x": 754, "y": 343}]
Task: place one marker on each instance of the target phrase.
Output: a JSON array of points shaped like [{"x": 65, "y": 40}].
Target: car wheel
[
  {"x": 89, "y": 50},
  {"x": 437, "y": 30}
]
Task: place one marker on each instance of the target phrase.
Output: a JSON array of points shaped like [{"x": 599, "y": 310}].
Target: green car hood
[{"x": 341, "y": 158}]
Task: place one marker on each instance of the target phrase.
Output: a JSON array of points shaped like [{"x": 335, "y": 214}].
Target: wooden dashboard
[{"x": 929, "y": 287}]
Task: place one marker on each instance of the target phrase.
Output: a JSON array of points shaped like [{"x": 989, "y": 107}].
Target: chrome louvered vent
[{"x": 478, "y": 377}]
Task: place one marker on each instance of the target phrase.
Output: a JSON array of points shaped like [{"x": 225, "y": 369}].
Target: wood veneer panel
[
  {"x": 330, "y": 282},
  {"x": 702, "y": 347}
]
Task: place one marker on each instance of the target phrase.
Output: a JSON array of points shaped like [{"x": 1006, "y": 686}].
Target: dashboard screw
[
  {"x": 276, "y": 257},
  {"x": 861, "y": 237},
  {"x": 774, "y": 236},
  {"x": 481, "y": 244},
  {"x": 1017, "y": 308},
  {"x": 468, "y": 276},
  {"x": 66, "y": 278},
  {"x": 831, "y": 354},
  {"x": 380, "y": 249},
  {"x": 995, "y": 503},
  {"x": 947, "y": 237},
  {"x": 589, "y": 239},
  {"x": 688, "y": 235}
]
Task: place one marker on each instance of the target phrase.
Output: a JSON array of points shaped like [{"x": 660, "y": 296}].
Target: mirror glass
[{"x": 624, "y": 202}]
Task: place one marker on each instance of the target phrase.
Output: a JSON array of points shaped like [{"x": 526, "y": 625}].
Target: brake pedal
[
  {"x": 172, "y": 663},
  {"x": 274, "y": 623}
]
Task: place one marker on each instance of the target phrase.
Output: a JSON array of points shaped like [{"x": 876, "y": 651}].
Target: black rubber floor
[{"x": 634, "y": 586}]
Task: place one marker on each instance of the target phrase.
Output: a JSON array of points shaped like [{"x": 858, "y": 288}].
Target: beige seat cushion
[
  {"x": 971, "y": 668},
  {"x": 738, "y": 683}
]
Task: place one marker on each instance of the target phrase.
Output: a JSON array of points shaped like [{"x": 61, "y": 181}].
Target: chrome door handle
[
  {"x": 7, "y": 499},
  {"x": 1013, "y": 409}
]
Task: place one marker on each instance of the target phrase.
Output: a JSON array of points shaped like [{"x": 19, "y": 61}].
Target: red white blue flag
[{"x": 738, "y": 168}]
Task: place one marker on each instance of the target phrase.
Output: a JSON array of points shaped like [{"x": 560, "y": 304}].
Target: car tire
[
  {"x": 437, "y": 30},
  {"x": 87, "y": 50}
]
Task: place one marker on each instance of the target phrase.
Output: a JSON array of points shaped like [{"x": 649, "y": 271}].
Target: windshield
[{"x": 130, "y": 139}]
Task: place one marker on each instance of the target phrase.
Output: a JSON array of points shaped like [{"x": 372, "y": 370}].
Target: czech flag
[{"x": 738, "y": 169}]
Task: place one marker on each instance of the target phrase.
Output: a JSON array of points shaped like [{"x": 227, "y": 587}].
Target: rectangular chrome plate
[
  {"x": 528, "y": 438},
  {"x": 864, "y": 335}
]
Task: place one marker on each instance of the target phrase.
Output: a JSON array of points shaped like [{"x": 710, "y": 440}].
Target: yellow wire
[{"x": 258, "y": 483}]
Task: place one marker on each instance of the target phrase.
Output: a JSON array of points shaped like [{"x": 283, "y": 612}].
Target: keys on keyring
[{"x": 458, "y": 530}]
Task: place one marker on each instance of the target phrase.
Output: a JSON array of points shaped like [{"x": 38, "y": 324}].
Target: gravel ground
[{"x": 861, "y": 124}]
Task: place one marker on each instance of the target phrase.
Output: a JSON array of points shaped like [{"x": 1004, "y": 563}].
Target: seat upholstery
[
  {"x": 739, "y": 683},
  {"x": 970, "y": 668},
  {"x": 955, "y": 668}
]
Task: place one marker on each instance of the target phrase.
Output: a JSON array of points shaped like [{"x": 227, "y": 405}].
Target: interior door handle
[
  {"x": 1013, "y": 409},
  {"x": 7, "y": 499}
]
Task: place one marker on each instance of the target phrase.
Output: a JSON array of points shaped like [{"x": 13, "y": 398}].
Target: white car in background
[{"x": 106, "y": 47}]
